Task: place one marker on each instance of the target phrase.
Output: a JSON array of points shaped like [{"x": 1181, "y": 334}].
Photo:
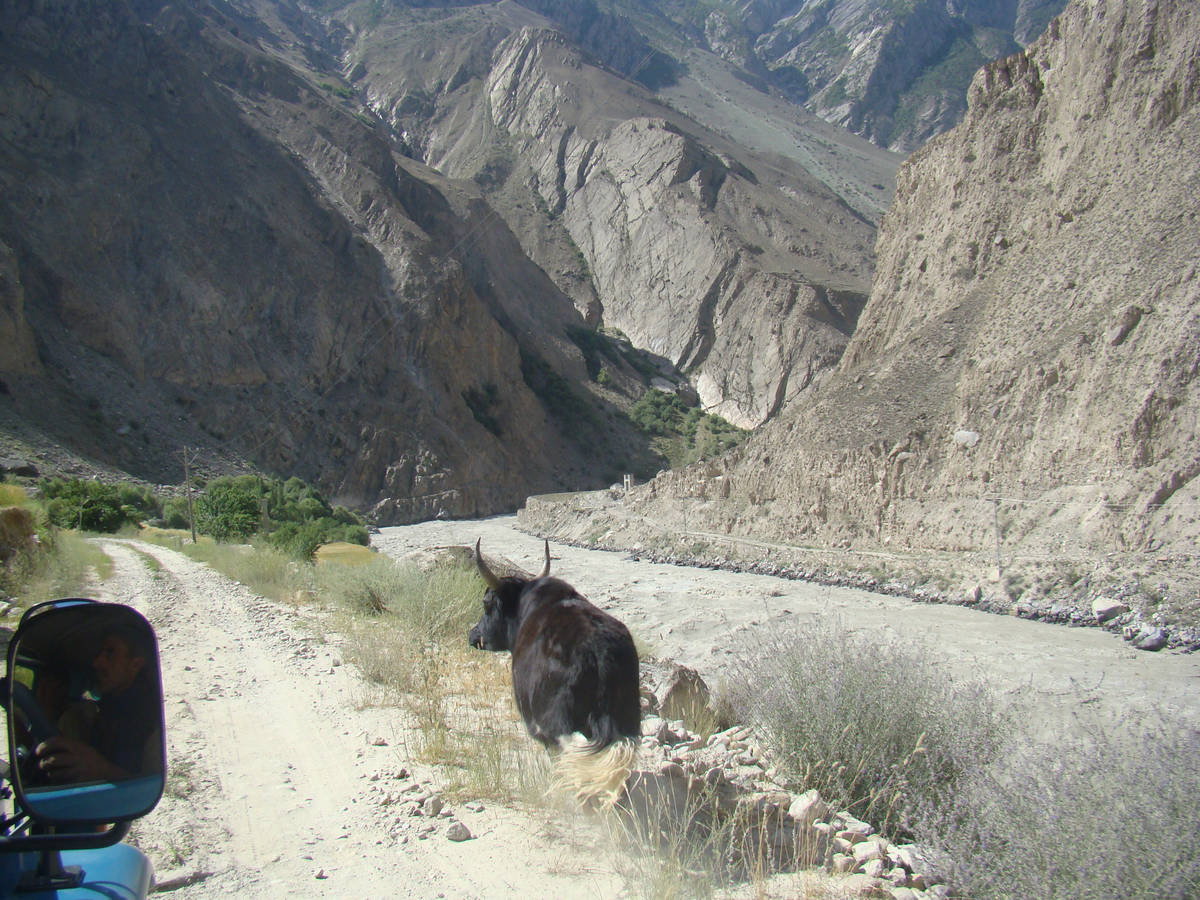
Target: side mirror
[{"x": 85, "y": 714}]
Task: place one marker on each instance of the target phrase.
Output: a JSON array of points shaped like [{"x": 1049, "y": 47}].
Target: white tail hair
[{"x": 594, "y": 775}]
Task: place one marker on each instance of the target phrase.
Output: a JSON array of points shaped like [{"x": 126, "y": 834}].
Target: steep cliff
[
  {"x": 203, "y": 242},
  {"x": 1023, "y": 381},
  {"x": 742, "y": 270}
]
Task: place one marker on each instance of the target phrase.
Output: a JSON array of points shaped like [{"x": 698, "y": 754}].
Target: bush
[
  {"x": 1111, "y": 813},
  {"x": 685, "y": 433},
  {"x": 877, "y": 728},
  {"x": 227, "y": 510},
  {"x": 175, "y": 513},
  {"x": 95, "y": 505}
]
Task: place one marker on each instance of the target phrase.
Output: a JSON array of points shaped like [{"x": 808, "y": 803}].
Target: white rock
[
  {"x": 875, "y": 868},
  {"x": 965, "y": 438},
  {"x": 1104, "y": 609},
  {"x": 808, "y": 808},
  {"x": 867, "y": 851}
]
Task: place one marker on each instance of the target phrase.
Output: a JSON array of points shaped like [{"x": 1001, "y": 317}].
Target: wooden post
[{"x": 187, "y": 480}]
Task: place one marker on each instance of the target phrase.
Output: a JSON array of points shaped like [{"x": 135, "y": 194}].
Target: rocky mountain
[
  {"x": 368, "y": 244},
  {"x": 740, "y": 268},
  {"x": 1022, "y": 384},
  {"x": 201, "y": 247},
  {"x": 894, "y": 71}
]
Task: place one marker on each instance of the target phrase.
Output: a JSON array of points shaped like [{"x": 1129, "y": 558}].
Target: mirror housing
[{"x": 83, "y": 696}]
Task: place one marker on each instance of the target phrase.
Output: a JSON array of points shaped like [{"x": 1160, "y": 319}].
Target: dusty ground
[{"x": 278, "y": 769}]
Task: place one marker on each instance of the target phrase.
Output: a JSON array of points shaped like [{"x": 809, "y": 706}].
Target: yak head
[{"x": 497, "y": 628}]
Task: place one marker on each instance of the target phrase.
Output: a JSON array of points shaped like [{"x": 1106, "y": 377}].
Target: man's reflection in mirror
[{"x": 118, "y": 734}]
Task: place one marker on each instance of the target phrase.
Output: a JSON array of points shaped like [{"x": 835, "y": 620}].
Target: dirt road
[
  {"x": 279, "y": 781},
  {"x": 283, "y": 780}
]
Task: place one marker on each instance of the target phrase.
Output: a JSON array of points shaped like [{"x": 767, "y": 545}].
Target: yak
[{"x": 574, "y": 676}]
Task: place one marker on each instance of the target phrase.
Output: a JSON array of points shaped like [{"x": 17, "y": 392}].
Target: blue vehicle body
[
  {"x": 118, "y": 872},
  {"x": 83, "y": 699}
]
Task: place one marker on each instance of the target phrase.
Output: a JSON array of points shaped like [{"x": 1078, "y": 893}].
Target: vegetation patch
[
  {"x": 683, "y": 434},
  {"x": 1107, "y": 814},
  {"x": 877, "y": 728},
  {"x": 96, "y": 505}
]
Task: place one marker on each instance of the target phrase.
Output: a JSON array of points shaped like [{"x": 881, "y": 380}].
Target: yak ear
[
  {"x": 488, "y": 576},
  {"x": 546, "y": 569}
]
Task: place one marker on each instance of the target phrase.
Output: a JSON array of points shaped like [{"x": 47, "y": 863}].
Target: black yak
[{"x": 574, "y": 673}]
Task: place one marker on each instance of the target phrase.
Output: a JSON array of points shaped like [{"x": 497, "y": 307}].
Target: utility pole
[{"x": 187, "y": 480}]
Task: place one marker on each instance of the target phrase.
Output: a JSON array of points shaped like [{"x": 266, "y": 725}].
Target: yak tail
[{"x": 594, "y": 774}]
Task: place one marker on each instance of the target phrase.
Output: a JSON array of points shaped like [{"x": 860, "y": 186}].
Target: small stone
[
  {"x": 1104, "y": 609},
  {"x": 808, "y": 808},
  {"x": 431, "y": 807},
  {"x": 379, "y": 741},
  {"x": 1150, "y": 639},
  {"x": 875, "y": 868},
  {"x": 868, "y": 851},
  {"x": 320, "y": 874},
  {"x": 458, "y": 832}
]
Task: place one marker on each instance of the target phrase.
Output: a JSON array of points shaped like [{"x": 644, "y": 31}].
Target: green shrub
[
  {"x": 301, "y": 540},
  {"x": 227, "y": 510},
  {"x": 876, "y": 727},
  {"x": 175, "y": 513},
  {"x": 685, "y": 433},
  {"x": 87, "y": 505}
]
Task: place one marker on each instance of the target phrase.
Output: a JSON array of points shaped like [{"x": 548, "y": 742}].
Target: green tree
[{"x": 227, "y": 510}]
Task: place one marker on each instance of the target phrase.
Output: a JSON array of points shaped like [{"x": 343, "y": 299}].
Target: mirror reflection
[{"x": 86, "y": 708}]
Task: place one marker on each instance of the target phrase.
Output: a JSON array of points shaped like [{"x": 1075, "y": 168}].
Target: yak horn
[
  {"x": 488, "y": 576},
  {"x": 546, "y": 570}
]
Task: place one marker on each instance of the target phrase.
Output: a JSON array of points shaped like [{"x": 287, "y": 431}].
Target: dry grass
[
  {"x": 877, "y": 728},
  {"x": 1109, "y": 814},
  {"x": 13, "y": 495},
  {"x": 343, "y": 553},
  {"x": 66, "y": 565}
]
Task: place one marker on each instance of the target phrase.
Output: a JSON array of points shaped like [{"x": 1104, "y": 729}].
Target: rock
[
  {"x": 874, "y": 868},
  {"x": 965, "y": 438},
  {"x": 844, "y": 863},
  {"x": 1104, "y": 609},
  {"x": 863, "y": 885},
  {"x": 808, "y": 808},
  {"x": 20, "y": 467},
  {"x": 432, "y": 807},
  {"x": 458, "y": 832},
  {"x": 684, "y": 695},
  {"x": 869, "y": 850},
  {"x": 1149, "y": 638}
]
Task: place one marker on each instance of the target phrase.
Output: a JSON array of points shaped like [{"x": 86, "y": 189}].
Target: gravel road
[{"x": 278, "y": 773}]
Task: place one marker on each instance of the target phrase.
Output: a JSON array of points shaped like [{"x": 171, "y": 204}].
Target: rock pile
[
  {"x": 722, "y": 793},
  {"x": 415, "y": 810}
]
